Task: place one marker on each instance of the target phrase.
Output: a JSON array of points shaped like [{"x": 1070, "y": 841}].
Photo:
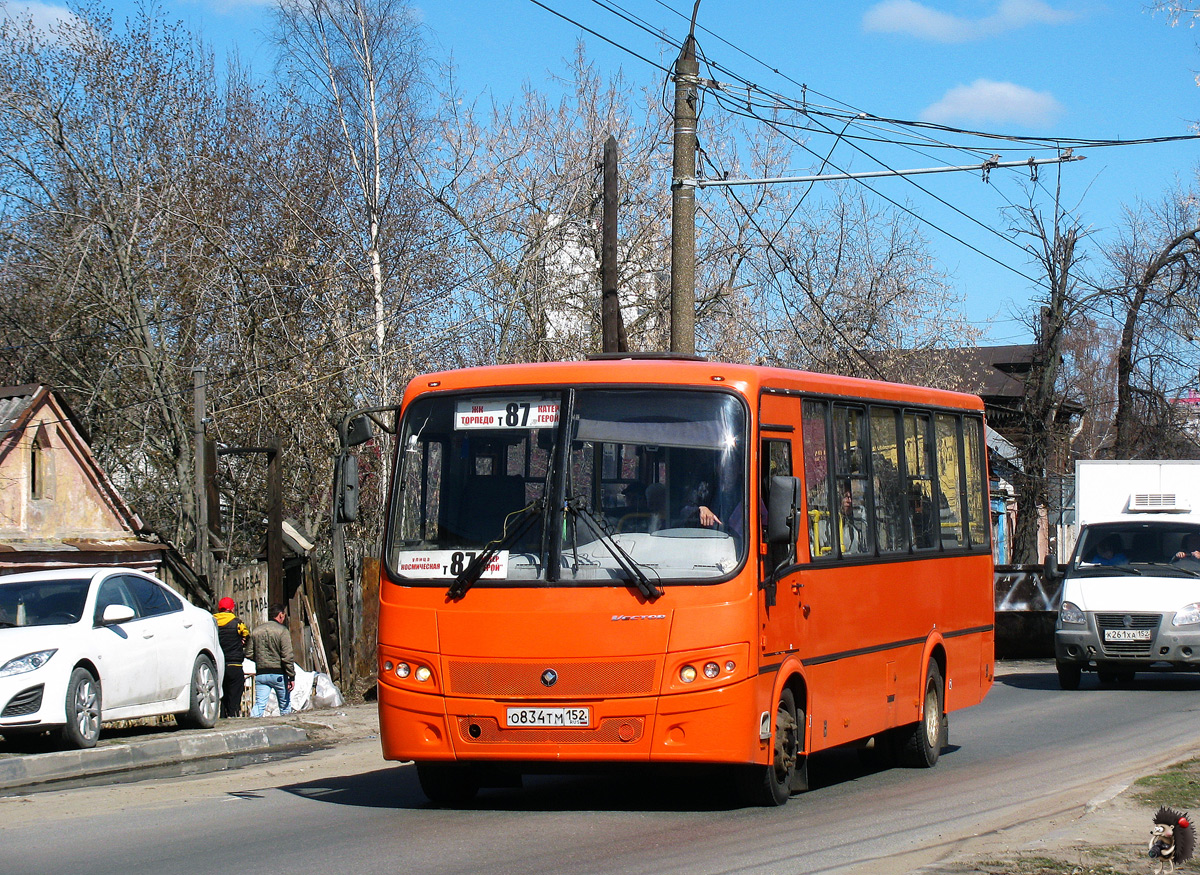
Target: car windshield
[
  {"x": 1133, "y": 549},
  {"x": 42, "y": 602},
  {"x": 651, "y": 484}
]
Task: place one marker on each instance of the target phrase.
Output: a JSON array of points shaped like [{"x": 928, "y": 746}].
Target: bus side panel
[{"x": 866, "y": 633}]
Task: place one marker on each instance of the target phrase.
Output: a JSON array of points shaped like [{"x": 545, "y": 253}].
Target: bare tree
[
  {"x": 358, "y": 67},
  {"x": 1153, "y": 281},
  {"x": 1054, "y": 247}
]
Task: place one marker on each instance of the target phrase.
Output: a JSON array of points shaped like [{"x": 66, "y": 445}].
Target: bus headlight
[
  {"x": 1187, "y": 615},
  {"x": 1070, "y": 613},
  {"x": 403, "y": 670},
  {"x": 711, "y": 669},
  {"x": 687, "y": 674},
  {"x": 422, "y": 674}
]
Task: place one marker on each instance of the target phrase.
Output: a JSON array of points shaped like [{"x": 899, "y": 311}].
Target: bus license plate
[
  {"x": 532, "y": 717},
  {"x": 1126, "y": 634}
]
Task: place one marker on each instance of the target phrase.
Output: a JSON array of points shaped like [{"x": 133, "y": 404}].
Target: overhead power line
[{"x": 985, "y": 166}]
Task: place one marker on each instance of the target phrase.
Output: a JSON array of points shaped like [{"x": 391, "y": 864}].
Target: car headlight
[
  {"x": 1187, "y": 615},
  {"x": 28, "y": 662},
  {"x": 1070, "y": 613}
]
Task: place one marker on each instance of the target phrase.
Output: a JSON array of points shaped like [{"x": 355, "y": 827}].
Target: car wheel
[
  {"x": 83, "y": 710},
  {"x": 922, "y": 741},
  {"x": 1069, "y": 675},
  {"x": 205, "y": 696}
]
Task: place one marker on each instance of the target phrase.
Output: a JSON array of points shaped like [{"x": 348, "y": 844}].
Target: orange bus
[{"x": 654, "y": 559}]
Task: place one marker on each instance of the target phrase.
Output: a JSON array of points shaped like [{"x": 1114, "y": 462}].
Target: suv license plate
[
  {"x": 533, "y": 717},
  {"x": 1126, "y": 634}
]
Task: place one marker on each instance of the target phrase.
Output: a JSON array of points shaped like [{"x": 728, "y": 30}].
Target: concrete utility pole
[
  {"x": 683, "y": 202},
  {"x": 612, "y": 325}
]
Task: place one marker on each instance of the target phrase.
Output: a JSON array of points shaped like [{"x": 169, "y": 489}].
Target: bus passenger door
[{"x": 781, "y": 623}]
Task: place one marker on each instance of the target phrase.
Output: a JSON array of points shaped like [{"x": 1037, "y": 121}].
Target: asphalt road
[{"x": 1029, "y": 752}]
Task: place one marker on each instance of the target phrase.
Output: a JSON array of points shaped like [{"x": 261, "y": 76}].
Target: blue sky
[{"x": 1097, "y": 69}]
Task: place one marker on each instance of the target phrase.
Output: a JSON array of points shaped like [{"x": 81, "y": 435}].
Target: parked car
[{"x": 82, "y": 646}]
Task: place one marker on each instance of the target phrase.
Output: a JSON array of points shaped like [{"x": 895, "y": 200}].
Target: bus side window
[
  {"x": 853, "y": 529},
  {"x": 949, "y": 480},
  {"x": 918, "y": 476},
  {"x": 817, "y": 480},
  {"x": 891, "y": 524},
  {"x": 776, "y": 461}
]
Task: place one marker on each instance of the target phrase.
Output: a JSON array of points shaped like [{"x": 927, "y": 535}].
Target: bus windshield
[{"x": 651, "y": 483}]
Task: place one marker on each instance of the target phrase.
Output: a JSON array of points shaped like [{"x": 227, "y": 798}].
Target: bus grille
[
  {"x": 612, "y": 730},
  {"x": 1137, "y": 621},
  {"x": 497, "y": 680}
]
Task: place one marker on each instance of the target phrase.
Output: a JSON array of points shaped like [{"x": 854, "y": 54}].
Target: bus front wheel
[
  {"x": 787, "y": 772},
  {"x": 922, "y": 742},
  {"x": 448, "y": 783}
]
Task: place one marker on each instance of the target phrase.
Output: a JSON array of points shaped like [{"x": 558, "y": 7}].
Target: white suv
[{"x": 81, "y": 646}]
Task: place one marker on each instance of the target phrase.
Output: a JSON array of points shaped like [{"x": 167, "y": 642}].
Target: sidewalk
[{"x": 141, "y": 747}]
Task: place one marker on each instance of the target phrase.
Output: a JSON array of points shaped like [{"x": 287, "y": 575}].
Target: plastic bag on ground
[
  {"x": 301, "y": 699},
  {"x": 326, "y": 694}
]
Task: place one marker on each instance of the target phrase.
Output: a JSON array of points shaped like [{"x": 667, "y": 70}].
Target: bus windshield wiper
[
  {"x": 628, "y": 564},
  {"x": 524, "y": 519}
]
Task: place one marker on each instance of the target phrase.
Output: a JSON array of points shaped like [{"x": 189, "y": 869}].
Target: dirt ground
[{"x": 1110, "y": 835}]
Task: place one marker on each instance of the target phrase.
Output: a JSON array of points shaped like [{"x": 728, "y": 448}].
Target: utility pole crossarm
[{"x": 984, "y": 166}]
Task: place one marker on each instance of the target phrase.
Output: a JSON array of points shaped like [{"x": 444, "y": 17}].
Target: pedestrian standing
[
  {"x": 270, "y": 646},
  {"x": 231, "y": 635}
]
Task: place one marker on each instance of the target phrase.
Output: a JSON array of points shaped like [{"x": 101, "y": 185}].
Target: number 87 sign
[{"x": 501, "y": 413}]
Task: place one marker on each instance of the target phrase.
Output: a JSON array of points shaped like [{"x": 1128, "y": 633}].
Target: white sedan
[{"x": 82, "y": 646}]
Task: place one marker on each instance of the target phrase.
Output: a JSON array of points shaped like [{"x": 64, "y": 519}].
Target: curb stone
[{"x": 23, "y": 771}]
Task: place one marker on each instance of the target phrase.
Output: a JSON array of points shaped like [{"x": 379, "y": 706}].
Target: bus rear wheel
[
  {"x": 787, "y": 772},
  {"x": 448, "y": 783},
  {"x": 922, "y": 742}
]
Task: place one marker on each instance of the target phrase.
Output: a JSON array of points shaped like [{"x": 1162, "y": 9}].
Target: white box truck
[{"x": 1131, "y": 590}]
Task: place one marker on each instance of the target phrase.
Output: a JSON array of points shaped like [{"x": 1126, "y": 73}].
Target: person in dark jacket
[
  {"x": 231, "y": 635},
  {"x": 270, "y": 646}
]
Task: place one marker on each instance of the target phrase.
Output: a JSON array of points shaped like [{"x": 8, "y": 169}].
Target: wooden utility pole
[
  {"x": 683, "y": 202},
  {"x": 275, "y": 523},
  {"x": 612, "y": 325},
  {"x": 199, "y": 384}
]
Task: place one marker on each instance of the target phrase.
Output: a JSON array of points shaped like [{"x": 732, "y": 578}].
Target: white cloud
[
  {"x": 919, "y": 20},
  {"x": 43, "y": 15},
  {"x": 987, "y": 101}
]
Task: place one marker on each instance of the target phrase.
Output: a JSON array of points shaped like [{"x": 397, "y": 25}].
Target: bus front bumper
[{"x": 710, "y": 726}]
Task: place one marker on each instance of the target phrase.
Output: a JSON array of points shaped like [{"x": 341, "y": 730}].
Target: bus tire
[
  {"x": 787, "y": 772},
  {"x": 1069, "y": 675},
  {"x": 448, "y": 784},
  {"x": 922, "y": 741}
]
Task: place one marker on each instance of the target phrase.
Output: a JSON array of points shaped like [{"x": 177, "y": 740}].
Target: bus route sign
[{"x": 493, "y": 413}]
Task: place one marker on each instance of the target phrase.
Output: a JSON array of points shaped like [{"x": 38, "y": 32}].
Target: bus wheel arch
[{"x": 786, "y": 769}]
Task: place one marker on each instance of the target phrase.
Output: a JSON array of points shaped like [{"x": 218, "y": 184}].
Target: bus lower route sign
[{"x": 426, "y": 564}]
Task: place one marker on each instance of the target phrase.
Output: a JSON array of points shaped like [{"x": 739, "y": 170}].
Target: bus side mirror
[
  {"x": 783, "y": 504},
  {"x": 359, "y": 431},
  {"x": 346, "y": 493},
  {"x": 1050, "y": 569}
]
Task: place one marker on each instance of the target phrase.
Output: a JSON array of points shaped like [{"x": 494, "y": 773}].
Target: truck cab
[{"x": 1131, "y": 590}]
